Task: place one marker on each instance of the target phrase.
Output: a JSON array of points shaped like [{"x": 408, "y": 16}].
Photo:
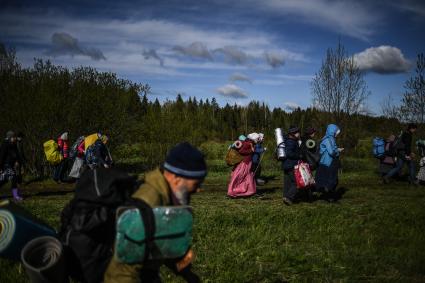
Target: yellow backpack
[
  {"x": 90, "y": 140},
  {"x": 52, "y": 153}
]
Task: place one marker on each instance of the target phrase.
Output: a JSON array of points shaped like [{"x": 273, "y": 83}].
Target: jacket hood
[{"x": 332, "y": 130}]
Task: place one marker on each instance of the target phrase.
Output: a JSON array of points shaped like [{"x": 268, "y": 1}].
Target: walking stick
[{"x": 259, "y": 162}]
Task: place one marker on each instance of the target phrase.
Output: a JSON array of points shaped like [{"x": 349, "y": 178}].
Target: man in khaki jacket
[{"x": 181, "y": 175}]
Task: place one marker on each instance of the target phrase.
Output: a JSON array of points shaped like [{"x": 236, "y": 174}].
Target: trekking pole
[{"x": 259, "y": 162}]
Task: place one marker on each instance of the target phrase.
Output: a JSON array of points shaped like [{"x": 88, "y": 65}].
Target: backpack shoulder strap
[{"x": 148, "y": 220}]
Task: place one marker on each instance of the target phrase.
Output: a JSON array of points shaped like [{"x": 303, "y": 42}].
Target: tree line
[{"x": 45, "y": 100}]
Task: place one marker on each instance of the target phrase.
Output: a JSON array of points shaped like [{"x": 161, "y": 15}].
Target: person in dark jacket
[
  {"x": 259, "y": 150},
  {"x": 97, "y": 155},
  {"x": 10, "y": 161},
  {"x": 20, "y": 171},
  {"x": 388, "y": 161},
  {"x": 309, "y": 148},
  {"x": 405, "y": 156},
  {"x": 293, "y": 156}
]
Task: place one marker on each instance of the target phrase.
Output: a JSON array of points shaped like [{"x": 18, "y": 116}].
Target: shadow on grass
[{"x": 52, "y": 193}]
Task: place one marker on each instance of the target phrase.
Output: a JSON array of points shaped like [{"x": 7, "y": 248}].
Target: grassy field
[{"x": 374, "y": 233}]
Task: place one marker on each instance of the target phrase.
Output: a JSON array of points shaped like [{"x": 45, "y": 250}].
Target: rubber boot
[{"x": 16, "y": 195}]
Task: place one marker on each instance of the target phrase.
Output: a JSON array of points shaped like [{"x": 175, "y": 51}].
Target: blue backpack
[{"x": 378, "y": 147}]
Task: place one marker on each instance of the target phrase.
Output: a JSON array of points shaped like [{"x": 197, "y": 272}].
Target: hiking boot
[
  {"x": 260, "y": 182},
  {"x": 414, "y": 183},
  {"x": 287, "y": 201}
]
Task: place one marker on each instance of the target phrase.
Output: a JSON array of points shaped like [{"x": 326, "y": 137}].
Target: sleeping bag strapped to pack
[
  {"x": 73, "y": 152},
  {"x": 378, "y": 147},
  {"x": 51, "y": 150},
  {"x": 170, "y": 238},
  {"x": 233, "y": 157}
]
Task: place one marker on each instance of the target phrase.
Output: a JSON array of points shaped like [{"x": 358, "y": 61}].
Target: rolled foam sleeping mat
[
  {"x": 43, "y": 260},
  {"x": 18, "y": 227},
  {"x": 172, "y": 238}
]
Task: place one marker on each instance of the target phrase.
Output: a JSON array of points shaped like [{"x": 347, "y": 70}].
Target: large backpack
[
  {"x": 378, "y": 147},
  {"x": 74, "y": 148},
  {"x": 88, "y": 221},
  {"x": 233, "y": 157},
  {"x": 51, "y": 150}
]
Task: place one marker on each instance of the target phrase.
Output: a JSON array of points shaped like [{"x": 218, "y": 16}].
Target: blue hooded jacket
[{"x": 328, "y": 148}]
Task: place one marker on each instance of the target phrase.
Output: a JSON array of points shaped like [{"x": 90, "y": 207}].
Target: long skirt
[
  {"x": 242, "y": 182},
  {"x": 327, "y": 177}
]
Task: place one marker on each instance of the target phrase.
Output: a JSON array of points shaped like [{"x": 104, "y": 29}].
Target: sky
[{"x": 235, "y": 51}]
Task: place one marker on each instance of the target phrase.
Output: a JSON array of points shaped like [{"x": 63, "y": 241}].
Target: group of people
[
  {"x": 324, "y": 159},
  {"x": 399, "y": 152},
  {"x": 86, "y": 152}
]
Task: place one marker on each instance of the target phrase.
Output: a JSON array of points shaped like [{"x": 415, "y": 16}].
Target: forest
[{"x": 44, "y": 100}]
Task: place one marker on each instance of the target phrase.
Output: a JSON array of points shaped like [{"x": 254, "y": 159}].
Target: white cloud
[
  {"x": 411, "y": 6},
  {"x": 353, "y": 18},
  {"x": 291, "y": 106},
  {"x": 240, "y": 77},
  {"x": 231, "y": 90},
  {"x": 383, "y": 60}
]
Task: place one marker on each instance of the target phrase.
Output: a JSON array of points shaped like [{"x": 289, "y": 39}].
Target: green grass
[{"x": 375, "y": 233}]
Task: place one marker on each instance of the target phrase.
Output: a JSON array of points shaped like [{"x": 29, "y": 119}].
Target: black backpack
[{"x": 88, "y": 221}]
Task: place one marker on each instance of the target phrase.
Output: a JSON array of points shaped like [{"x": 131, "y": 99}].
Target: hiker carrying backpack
[
  {"x": 88, "y": 225},
  {"x": 88, "y": 221}
]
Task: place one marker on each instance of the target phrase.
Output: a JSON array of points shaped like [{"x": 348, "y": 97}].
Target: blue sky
[{"x": 236, "y": 51}]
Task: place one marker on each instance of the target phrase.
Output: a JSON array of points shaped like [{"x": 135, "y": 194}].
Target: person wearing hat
[
  {"x": 293, "y": 156},
  {"x": 10, "y": 160},
  {"x": 180, "y": 176}
]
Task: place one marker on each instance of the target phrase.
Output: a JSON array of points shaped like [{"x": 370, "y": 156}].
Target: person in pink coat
[{"x": 242, "y": 181}]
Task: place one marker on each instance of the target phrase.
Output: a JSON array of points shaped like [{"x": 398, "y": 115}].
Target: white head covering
[
  {"x": 260, "y": 137},
  {"x": 254, "y": 137},
  {"x": 64, "y": 136}
]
